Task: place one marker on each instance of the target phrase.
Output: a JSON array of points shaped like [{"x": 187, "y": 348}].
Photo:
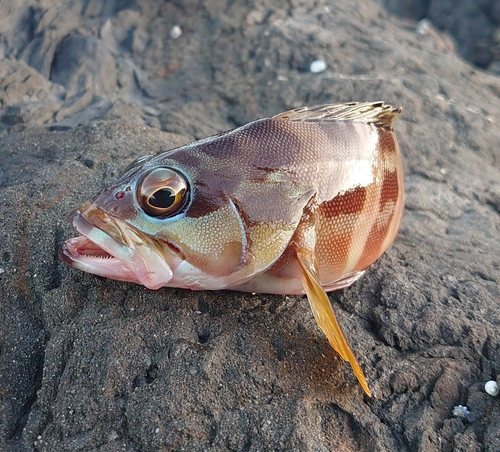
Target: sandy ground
[{"x": 96, "y": 365}]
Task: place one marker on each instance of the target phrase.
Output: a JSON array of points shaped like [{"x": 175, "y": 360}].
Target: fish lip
[
  {"x": 117, "y": 250},
  {"x": 107, "y": 266},
  {"x": 64, "y": 254}
]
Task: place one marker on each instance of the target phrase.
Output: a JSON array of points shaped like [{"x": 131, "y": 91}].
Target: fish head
[
  {"x": 139, "y": 229},
  {"x": 176, "y": 221}
]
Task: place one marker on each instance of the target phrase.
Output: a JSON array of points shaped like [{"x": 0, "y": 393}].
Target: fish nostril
[{"x": 119, "y": 194}]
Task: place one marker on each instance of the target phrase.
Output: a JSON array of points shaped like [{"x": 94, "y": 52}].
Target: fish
[{"x": 300, "y": 202}]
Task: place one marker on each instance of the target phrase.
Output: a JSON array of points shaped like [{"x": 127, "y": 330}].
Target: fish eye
[{"x": 162, "y": 192}]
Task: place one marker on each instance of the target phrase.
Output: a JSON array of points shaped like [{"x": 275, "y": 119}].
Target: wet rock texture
[{"x": 96, "y": 365}]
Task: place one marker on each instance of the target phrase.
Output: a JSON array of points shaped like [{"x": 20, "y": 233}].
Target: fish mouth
[{"x": 112, "y": 248}]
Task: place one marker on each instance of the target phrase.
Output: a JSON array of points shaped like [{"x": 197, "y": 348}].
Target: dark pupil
[{"x": 162, "y": 198}]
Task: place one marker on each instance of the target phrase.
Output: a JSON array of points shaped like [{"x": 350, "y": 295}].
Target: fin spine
[{"x": 377, "y": 113}]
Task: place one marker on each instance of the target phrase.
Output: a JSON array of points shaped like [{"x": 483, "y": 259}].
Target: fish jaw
[{"x": 111, "y": 248}]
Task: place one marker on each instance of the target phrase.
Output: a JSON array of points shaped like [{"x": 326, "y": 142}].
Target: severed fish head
[{"x": 197, "y": 217}]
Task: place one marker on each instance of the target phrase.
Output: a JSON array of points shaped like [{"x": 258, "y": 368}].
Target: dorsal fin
[{"x": 376, "y": 113}]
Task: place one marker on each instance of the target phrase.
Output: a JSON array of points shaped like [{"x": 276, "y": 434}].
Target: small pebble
[
  {"x": 317, "y": 66},
  {"x": 491, "y": 388},
  {"x": 423, "y": 26},
  {"x": 461, "y": 412},
  {"x": 175, "y": 32}
]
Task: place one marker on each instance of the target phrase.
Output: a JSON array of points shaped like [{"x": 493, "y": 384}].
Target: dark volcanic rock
[
  {"x": 475, "y": 25},
  {"x": 94, "y": 364},
  {"x": 82, "y": 63}
]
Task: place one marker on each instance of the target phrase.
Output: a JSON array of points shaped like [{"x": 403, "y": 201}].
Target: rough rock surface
[
  {"x": 93, "y": 364},
  {"x": 475, "y": 25}
]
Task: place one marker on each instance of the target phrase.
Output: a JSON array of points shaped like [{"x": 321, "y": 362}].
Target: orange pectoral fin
[{"x": 326, "y": 320}]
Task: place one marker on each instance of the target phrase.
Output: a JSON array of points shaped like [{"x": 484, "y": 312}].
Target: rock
[
  {"x": 94, "y": 364},
  {"x": 474, "y": 25},
  {"x": 26, "y": 97},
  {"x": 82, "y": 63}
]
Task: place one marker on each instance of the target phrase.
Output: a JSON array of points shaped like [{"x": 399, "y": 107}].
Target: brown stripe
[
  {"x": 382, "y": 226},
  {"x": 337, "y": 220},
  {"x": 390, "y": 190},
  {"x": 387, "y": 145},
  {"x": 219, "y": 166},
  {"x": 349, "y": 202}
]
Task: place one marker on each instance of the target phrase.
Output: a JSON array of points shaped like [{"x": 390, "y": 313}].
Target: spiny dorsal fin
[{"x": 376, "y": 113}]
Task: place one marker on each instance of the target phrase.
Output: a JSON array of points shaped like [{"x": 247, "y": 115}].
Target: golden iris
[{"x": 162, "y": 192}]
